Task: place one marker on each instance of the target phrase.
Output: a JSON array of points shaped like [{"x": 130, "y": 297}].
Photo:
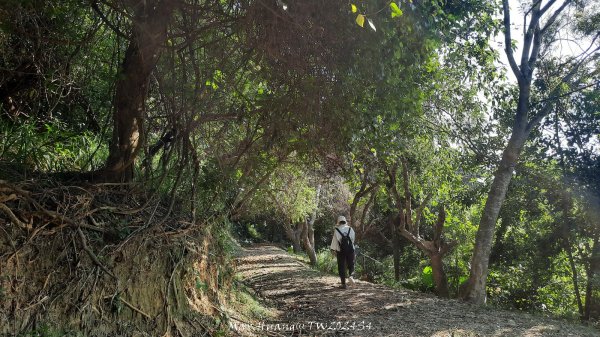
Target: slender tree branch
[
  {"x": 546, "y": 6},
  {"x": 415, "y": 239},
  {"x": 528, "y": 39},
  {"x": 554, "y": 16},
  {"x": 96, "y": 8},
  {"x": 537, "y": 43},
  {"x": 421, "y": 208},
  {"x": 14, "y": 218},
  {"x": 438, "y": 228},
  {"x": 408, "y": 197},
  {"x": 555, "y": 92},
  {"x": 239, "y": 204},
  {"x": 508, "y": 42},
  {"x": 358, "y": 195},
  {"x": 366, "y": 210},
  {"x": 392, "y": 176},
  {"x": 93, "y": 256},
  {"x": 569, "y": 93}
]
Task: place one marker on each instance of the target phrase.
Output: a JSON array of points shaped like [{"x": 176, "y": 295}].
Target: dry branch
[
  {"x": 14, "y": 218},
  {"x": 92, "y": 255},
  {"x": 132, "y": 307}
]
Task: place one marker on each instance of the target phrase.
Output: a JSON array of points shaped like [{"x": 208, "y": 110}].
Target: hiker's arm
[{"x": 334, "y": 244}]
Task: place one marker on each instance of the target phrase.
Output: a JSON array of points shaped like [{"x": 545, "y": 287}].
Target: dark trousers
[{"x": 345, "y": 261}]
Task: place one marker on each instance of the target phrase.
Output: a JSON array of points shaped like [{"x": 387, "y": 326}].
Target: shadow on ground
[{"x": 311, "y": 304}]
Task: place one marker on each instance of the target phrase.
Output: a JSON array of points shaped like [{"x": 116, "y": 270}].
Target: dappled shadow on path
[{"x": 311, "y": 303}]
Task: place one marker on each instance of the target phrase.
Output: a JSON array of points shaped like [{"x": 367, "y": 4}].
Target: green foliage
[
  {"x": 248, "y": 305},
  {"x": 320, "y": 102},
  {"x": 326, "y": 261},
  {"x": 530, "y": 265},
  {"x": 427, "y": 277},
  {"x": 289, "y": 194},
  {"x": 557, "y": 295},
  {"x": 396, "y": 11},
  {"x": 253, "y": 232},
  {"x": 49, "y": 148},
  {"x": 201, "y": 286}
]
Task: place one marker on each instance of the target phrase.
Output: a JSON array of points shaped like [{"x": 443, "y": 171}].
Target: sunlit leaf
[
  {"x": 371, "y": 24},
  {"x": 354, "y": 9},
  {"x": 360, "y": 20},
  {"x": 396, "y": 11}
]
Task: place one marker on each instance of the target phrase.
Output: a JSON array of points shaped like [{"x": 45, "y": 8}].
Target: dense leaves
[{"x": 281, "y": 115}]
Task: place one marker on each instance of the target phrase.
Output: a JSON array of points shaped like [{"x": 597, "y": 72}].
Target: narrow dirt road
[{"x": 309, "y": 303}]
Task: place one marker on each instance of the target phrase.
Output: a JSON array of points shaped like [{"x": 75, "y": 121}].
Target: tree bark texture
[
  {"x": 593, "y": 281},
  {"x": 294, "y": 235},
  {"x": 308, "y": 231},
  {"x": 475, "y": 289},
  {"x": 439, "y": 275},
  {"x": 308, "y": 247},
  {"x": 395, "y": 247},
  {"x": 149, "y": 33}
]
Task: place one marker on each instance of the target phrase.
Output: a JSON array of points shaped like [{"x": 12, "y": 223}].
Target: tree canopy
[{"x": 265, "y": 119}]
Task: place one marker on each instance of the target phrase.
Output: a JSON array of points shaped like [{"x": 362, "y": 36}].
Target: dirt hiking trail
[{"x": 309, "y": 303}]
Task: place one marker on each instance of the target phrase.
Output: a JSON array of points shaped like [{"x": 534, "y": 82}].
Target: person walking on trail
[{"x": 342, "y": 245}]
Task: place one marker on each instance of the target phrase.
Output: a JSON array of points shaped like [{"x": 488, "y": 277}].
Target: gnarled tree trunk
[
  {"x": 408, "y": 227},
  {"x": 308, "y": 231},
  {"x": 439, "y": 275},
  {"x": 294, "y": 235},
  {"x": 309, "y": 248}
]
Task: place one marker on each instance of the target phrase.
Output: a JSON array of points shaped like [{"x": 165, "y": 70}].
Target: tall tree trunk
[
  {"x": 439, "y": 275},
  {"x": 365, "y": 188},
  {"x": 293, "y": 234},
  {"x": 498, "y": 247},
  {"x": 567, "y": 205},
  {"x": 308, "y": 232},
  {"x": 308, "y": 247},
  {"x": 149, "y": 34},
  {"x": 475, "y": 288},
  {"x": 395, "y": 247},
  {"x": 569, "y": 251},
  {"x": 593, "y": 279},
  {"x": 313, "y": 218}
]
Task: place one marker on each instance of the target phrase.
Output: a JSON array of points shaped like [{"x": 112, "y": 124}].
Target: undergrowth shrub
[
  {"x": 326, "y": 261},
  {"x": 49, "y": 147}
]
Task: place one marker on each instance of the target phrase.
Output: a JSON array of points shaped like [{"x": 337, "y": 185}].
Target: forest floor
[{"x": 306, "y": 302}]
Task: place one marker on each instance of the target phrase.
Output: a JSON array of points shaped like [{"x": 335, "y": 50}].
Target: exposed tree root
[
  {"x": 92, "y": 255},
  {"x": 14, "y": 218},
  {"x": 134, "y": 308},
  {"x": 99, "y": 259}
]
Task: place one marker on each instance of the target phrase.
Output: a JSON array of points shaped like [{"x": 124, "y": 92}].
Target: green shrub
[
  {"x": 254, "y": 234},
  {"x": 50, "y": 148},
  {"x": 326, "y": 261}
]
